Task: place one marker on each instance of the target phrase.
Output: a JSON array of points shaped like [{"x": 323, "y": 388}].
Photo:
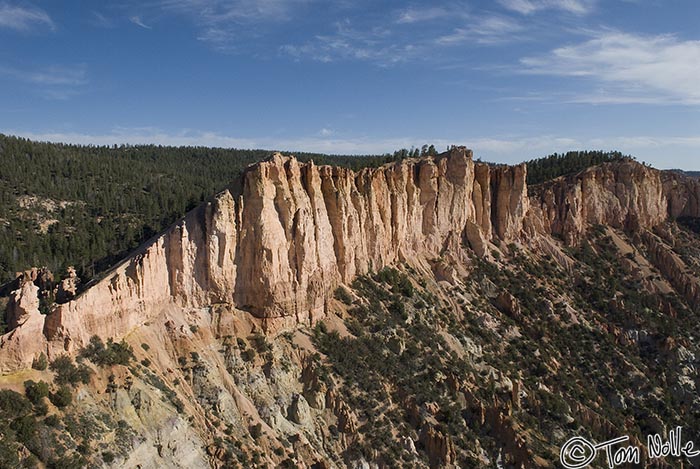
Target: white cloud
[
  {"x": 387, "y": 46},
  {"x": 223, "y": 11},
  {"x": 221, "y": 21},
  {"x": 102, "y": 21},
  {"x": 627, "y": 68},
  {"x": 58, "y": 76},
  {"x": 378, "y": 44},
  {"x": 527, "y": 7},
  {"x": 416, "y": 15},
  {"x": 139, "y": 22},
  {"x": 52, "y": 82},
  {"x": 506, "y": 149},
  {"x": 663, "y": 152},
  {"x": 55, "y": 75},
  {"x": 483, "y": 30},
  {"x": 23, "y": 18}
]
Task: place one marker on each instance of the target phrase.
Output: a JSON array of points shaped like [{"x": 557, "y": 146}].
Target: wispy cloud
[
  {"x": 527, "y": 7},
  {"x": 53, "y": 82},
  {"x": 223, "y": 11},
  {"x": 416, "y": 15},
  {"x": 50, "y": 76},
  {"x": 483, "y": 30},
  {"x": 387, "y": 45},
  {"x": 139, "y": 22},
  {"x": 136, "y": 136},
  {"x": 23, "y": 18},
  {"x": 102, "y": 21},
  {"x": 627, "y": 68},
  {"x": 221, "y": 39},
  {"x": 221, "y": 21},
  {"x": 377, "y": 44}
]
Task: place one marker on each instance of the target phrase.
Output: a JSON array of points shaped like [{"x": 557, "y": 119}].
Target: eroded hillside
[{"x": 427, "y": 313}]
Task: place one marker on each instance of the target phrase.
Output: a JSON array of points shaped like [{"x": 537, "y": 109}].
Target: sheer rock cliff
[{"x": 279, "y": 246}]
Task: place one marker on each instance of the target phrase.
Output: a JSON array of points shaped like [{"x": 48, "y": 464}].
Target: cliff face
[
  {"x": 206, "y": 389},
  {"x": 296, "y": 231},
  {"x": 624, "y": 195},
  {"x": 307, "y": 228},
  {"x": 280, "y": 247}
]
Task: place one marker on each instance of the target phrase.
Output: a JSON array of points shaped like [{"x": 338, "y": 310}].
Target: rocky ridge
[
  {"x": 280, "y": 247},
  {"x": 498, "y": 294}
]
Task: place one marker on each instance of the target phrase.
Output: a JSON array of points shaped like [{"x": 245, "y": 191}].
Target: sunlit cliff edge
[{"x": 279, "y": 248}]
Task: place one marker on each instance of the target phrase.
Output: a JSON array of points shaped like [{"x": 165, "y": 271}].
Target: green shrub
[
  {"x": 24, "y": 428},
  {"x": 179, "y": 406},
  {"x": 342, "y": 295},
  {"x": 62, "y": 397},
  {"x": 13, "y": 404},
  {"x": 68, "y": 373},
  {"x": 111, "y": 354},
  {"x": 52, "y": 421},
  {"x": 36, "y": 392},
  {"x": 8, "y": 453},
  {"x": 40, "y": 363},
  {"x": 108, "y": 457},
  {"x": 398, "y": 281},
  {"x": 41, "y": 409},
  {"x": 248, "y": 355},
  {"x": 256, "y": 431}
]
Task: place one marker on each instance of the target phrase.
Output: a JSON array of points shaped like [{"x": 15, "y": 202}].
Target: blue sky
[{"x": 512, "y": 79}]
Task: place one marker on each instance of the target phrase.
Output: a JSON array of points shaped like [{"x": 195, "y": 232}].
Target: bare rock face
[
  {"x": 23, "y": 343},
  {"x": 673, "y": 268},
  {"x": 298, "y": 411},
  {"x": 508, "y": 304},
  {"x": 68, "y": 287},
  {"x": 477, "y": 240},
  {"x": 286, "y": 259},
  {"x": 439, "y": 446},
  {"x": 625, "y": 195},
  {"x": 347, "y": 421},
  {"x": 23, "y": 304},
  {"x": 279, "y": 247},
  {"x": 481, "y": 197},
  {"x": 511, "y": 202},
  {"x": 682, "y": 194},
  {"x": 295, "y": 231}
]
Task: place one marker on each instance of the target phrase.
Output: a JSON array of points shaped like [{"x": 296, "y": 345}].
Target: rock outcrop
[
  {"x": 295, "y": 231},
  {"x": 279, "y": 246},
  {"x": 68, "y": 287},
  {"x": 439, "y": 446},
  {"x": 624, "y": 195},
  {"x": 673, "y": 268}
]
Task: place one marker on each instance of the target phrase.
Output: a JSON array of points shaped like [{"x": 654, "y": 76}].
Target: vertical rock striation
[
  {"x": 278, "y": 247},
  {"x": 295, "y": 231},
  {"x": 624, "y": 195}
]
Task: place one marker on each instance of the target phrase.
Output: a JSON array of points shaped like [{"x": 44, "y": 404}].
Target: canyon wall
[
  {"x": 280, "y": 247},
  {"x": 625, "y": 195},
  {"x": 295, "y": 231}
]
